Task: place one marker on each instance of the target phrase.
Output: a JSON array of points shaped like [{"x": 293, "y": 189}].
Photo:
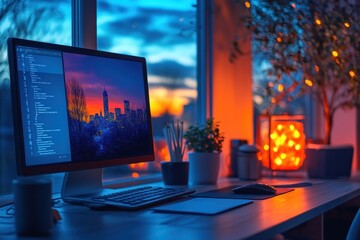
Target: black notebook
[{"x": 204, "y": 206}]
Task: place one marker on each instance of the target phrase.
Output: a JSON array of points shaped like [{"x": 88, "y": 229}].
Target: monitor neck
[{"x": 82, "y": 182}]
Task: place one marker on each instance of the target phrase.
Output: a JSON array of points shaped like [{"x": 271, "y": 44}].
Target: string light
[
  {"x": 279, "y": 39},
  {"x": 335, "y": 53},
  {"x": 318, "y": 22},
  {"x": 280, "y": 87},
  {"x": 346, "y": 24},
  {"x": 247, "y": 4},
  {"x": 352, "y": 73},
  {"x": 308, "y": 82},
  {"x": 293, "y": 5},
  {"x": 317, "y": 68}
]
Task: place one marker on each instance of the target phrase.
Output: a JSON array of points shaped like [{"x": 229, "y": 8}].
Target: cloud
[
  {"x": 171, "y": 74},
  {"x": 154, "y": 26}
]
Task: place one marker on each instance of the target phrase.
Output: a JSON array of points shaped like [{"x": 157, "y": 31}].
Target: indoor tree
[{"x": 312, "y": 46}]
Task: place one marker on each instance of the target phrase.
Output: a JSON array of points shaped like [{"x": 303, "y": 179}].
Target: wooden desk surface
[{"x": 259, "y": 220}]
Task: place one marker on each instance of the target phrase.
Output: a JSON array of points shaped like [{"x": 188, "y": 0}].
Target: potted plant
[
  {"x": 205, "y": 145},
  {"x": 312, "y": 47}
]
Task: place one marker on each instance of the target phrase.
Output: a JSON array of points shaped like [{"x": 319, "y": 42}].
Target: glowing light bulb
[
  {"x": 278, "y": 161},
  {"x": 293, "y": 5},
  {"x": 279, "y": 127},
  {"x": 317, "y": 68},
  {"x": 296, "y": 134},
  {"x": 346, "y": 24},
  {"x": 266, "y": 147},
  {"x": 308, "y": 82},
  {"x": 352, "y": 73},
  {"x": 273, "y": 136},
  {"x": 280, "y": 87},
  {"x": 335, "y": 53},
  {"x": 279, "y": 39},
  {"x": 247, "y": 4},
  {"x": 318, "y": 22}
]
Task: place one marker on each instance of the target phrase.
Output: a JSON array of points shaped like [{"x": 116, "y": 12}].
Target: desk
[{"x": 259, "y": 220}]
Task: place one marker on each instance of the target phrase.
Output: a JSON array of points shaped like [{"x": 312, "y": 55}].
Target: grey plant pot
[
  {"x": 327, "y": 161},
  {"x": 204, "y": 168}
]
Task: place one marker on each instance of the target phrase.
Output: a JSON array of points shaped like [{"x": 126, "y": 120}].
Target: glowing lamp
[{"x": 282, "y": 142}]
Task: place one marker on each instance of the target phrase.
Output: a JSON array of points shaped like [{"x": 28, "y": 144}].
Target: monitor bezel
[{"x": 22, "y": 168}]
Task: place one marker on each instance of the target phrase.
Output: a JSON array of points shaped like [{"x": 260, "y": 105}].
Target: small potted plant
[{"x": 205, "y": 145}]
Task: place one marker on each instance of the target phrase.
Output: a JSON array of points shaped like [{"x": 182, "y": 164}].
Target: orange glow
[
  {"x": 317, "y": 68},
  {"x": 279, "y": 39},
  {"x": 346, "y": 24},
  {"x": 308, "y": 82},
  {"x": 318, "y": 22},
  {"x": 138, "y": 166},
  {"x": 293, "y": 5},
  {"x": 135, "y": 175},
  {"x": 280, "y": 87},
  {"x": 352, "y": 73},
  {"x": 247, "y": 4},
  {"x": 286, "y": 143},
  {"x": 163, "y": 101},
  {"x": 335, "y": 53}
]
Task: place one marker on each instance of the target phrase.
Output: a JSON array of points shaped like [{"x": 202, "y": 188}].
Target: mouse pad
[
  {"x": 228, "y": 193},
  {"x": 203, "y": 206}
]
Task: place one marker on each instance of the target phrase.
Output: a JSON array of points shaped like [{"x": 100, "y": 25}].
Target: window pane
[
  {"x": 164, "y": 33},
  {"x": 42, "y": 20}
]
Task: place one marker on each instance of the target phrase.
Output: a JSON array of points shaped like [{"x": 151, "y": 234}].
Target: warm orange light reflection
[
  {"x": 352, "y": 73},
  {"x": 247, "y": 4},
  {"x": 285, "y": 145},
  {"x": 335, "y": 53},
  {"x": 135, "y": 175}
]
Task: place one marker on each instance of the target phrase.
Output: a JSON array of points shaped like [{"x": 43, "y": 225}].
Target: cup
[
  {"x": 33, "y": 203},
  {"x": 175, "y": 173}
]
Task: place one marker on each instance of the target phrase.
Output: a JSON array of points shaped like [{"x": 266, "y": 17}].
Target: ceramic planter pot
[
  {"x": 328, "y": 161},
  {"x": 204, "y": 168},
  {"x": 175, "y": 173}
]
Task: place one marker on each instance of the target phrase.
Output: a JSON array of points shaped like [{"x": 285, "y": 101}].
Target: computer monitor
[{"x": 77, "y": 111}]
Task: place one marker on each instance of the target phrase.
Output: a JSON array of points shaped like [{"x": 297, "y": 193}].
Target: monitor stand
[{"x": 82, "y": 182}]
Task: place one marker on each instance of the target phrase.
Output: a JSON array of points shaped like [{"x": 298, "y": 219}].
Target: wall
[
  {"x": 345, "y": 131},
  {"x": 232, "y": 88}
]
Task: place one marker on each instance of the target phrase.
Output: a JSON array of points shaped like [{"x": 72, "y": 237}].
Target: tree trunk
[{"x": 328, "y": 127}]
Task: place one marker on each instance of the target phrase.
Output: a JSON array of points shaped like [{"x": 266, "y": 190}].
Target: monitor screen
[{"x": 77, "y": 109}]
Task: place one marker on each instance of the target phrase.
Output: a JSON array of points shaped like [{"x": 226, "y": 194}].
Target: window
[
  {"x": 41, "y": 20},
  {"x": 164, "y": 33}
]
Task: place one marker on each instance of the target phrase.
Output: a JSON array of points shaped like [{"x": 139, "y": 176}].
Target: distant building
[
  {"x": 106, "y": 103},
  {"x": 127, "y": 107},
  {"x": 117, "y": 113}
]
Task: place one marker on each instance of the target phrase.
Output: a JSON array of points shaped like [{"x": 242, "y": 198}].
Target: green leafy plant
[{"x": 204, "y": 138}]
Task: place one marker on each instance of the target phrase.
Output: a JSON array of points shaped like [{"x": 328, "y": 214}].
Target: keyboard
[{"x": 141, "y": 197}]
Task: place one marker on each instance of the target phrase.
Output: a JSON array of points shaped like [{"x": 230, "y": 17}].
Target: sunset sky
[
  {"x": 123, "y": 80},
  {"x": 164, "y": 32}
]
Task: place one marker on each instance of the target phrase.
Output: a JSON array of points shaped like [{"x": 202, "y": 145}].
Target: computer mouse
[{"x": 255, "y": 188}]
